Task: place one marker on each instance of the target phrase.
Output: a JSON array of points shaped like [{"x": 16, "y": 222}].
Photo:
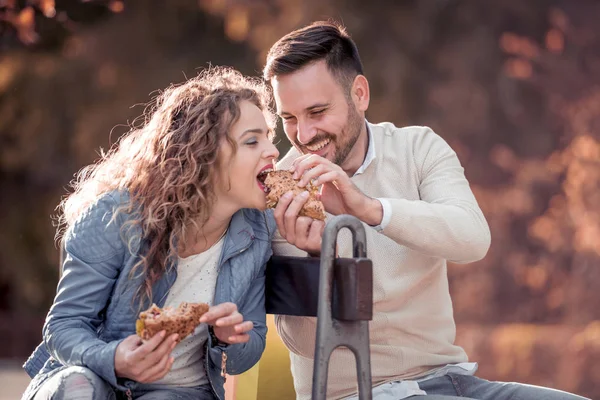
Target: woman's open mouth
[{"x": 262, "y": 175}]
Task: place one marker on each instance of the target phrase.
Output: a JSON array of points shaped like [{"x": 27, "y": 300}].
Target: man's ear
[{"x": 360, "y": 93}]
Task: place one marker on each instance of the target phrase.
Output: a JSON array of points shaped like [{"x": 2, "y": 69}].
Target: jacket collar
[{"x": 243, "y": 229}]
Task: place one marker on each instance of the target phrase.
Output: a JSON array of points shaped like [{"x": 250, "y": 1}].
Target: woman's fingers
[
  {"x": 158, "y": 370},
  {"x": 234, "y": 339},
  {"x": 218, "y": 311},
  {"x": 165, "y": 348},
  {"x": 230, "y": 320},
  {"x": 244, "y": 327},
  {"x": 149, "y": 345}
]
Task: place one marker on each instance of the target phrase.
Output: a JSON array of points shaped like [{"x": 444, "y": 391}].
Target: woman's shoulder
[
  {"x": 262, "y": 222},
  {"x": 98, "y": 228}
]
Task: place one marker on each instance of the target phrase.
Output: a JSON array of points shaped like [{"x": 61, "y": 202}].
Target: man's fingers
[
  {"x": 303, "y": 163},
  {"x": 297, "y": 161},
  {"x": 331, "y": 176},
  {"x": 313, "y": 173},
  {"x": 218, "y": 311}
]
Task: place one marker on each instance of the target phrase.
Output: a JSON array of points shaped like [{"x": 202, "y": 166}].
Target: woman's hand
[
  {"x": 145, "y": 362},
  {"x": 228, "y": 324}
]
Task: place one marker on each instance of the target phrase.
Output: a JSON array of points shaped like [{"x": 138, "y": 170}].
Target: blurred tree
[
  {"x": 513, "y": 86},
  {"x": 58, "y": 107}
]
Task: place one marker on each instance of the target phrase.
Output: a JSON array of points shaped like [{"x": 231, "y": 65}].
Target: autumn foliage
[{"x": 513, "y": 86}]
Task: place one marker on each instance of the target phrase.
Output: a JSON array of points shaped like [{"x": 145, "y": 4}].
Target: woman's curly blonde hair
[{"x": 168, "y": 165}]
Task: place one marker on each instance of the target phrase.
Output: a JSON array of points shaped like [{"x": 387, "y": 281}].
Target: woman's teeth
[
  {"x": 319, "y": 145},
  {"x": 262, "y": 175}
]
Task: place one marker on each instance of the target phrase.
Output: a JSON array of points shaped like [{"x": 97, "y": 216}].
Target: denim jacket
[{"x": 94, "y": 309}]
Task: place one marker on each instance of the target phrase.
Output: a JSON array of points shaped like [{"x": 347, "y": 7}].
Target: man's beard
[
  {"x": 346, "y": 139},
  {"x": 349, "y": 136}
]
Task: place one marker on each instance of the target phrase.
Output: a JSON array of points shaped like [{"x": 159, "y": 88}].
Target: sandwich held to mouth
[
  {"x": 181, "y": 320},
  {"x": 277, "y": 183}
]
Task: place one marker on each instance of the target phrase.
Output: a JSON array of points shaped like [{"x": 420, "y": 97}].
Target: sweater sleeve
[{"x": 446, "y": 222}]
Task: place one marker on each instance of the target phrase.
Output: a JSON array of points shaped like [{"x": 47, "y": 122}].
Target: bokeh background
[{"x": 512, "y": 85}]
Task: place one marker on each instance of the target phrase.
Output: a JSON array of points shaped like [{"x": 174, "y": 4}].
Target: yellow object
[
  {"x": 139, "y": 327},
  {"x": 270, "y": 379}
]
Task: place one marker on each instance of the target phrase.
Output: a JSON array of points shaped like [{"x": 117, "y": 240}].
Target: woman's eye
[{"x": 252, "y": 142}]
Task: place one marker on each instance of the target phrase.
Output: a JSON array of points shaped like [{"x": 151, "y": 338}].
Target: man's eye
[
  {"x": 287, "y": 118},
  {"x": 317, "y": 112}
]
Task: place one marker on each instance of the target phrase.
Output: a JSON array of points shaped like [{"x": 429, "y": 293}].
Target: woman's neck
[{"x": 202, "y": 237}]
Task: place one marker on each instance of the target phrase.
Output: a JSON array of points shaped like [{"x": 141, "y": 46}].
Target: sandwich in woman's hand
[
  {"x": 277, "y": 183},
  {"x": 181, "y": 320}
]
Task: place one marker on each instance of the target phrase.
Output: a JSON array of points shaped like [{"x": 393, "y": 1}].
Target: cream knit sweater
[{"x": 434, "y": 218}]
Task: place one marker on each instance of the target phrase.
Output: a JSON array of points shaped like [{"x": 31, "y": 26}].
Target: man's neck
[{"x": 357, "y": 155}]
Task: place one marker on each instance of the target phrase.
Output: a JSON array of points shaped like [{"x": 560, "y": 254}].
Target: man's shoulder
[
  {"x": 413, "y": 136},
  {"x": 400, "y": 132}
]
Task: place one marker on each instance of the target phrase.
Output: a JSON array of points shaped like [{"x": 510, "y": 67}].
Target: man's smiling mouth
[{"x": 319, "y": 145}]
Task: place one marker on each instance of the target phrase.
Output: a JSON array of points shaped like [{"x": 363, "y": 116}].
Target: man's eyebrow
[
  {"x": 318, "y": 105},
  {"x": 309, "y": 108}
]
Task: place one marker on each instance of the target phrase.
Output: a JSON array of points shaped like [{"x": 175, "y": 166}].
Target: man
[{"x": 409, "y": 189}]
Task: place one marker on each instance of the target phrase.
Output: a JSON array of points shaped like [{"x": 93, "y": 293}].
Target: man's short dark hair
[{"x": 321, "y": 40}]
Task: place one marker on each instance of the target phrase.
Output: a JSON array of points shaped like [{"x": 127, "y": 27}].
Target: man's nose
[{"x": 306, "y": 132}]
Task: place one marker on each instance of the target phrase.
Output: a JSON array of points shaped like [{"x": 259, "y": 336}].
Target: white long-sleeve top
[{"x": 431, "y": 216}]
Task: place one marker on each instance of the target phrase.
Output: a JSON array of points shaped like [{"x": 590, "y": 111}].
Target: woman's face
[{"x": 237, "y": 184}]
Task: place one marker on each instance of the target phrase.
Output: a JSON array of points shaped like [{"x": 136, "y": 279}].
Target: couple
[{"x": 176, "y": 213}]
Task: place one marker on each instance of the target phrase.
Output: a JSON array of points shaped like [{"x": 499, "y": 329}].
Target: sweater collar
[{"x": 370, "y": 156}]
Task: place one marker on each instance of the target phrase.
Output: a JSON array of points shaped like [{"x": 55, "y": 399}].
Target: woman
[{"x": 171, "y": 214}]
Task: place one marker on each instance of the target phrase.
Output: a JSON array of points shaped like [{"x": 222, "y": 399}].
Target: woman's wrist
[{"x": 214, "y": 339}]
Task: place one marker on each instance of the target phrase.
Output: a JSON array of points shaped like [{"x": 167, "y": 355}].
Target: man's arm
[{"x": 446, "y": 222}]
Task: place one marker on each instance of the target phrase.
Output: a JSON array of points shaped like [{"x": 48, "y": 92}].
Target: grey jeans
[
  {"x": 465, "y": 387},
  {"x": 79, "y": 383}
]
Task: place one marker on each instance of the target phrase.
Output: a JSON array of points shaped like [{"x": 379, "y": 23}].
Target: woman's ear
[{"x": 360, "y": 93}]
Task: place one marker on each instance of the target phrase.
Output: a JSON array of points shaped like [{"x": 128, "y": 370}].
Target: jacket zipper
[
  {"x": 224, "y": 353},
  {"x": 207, "y": 367}
]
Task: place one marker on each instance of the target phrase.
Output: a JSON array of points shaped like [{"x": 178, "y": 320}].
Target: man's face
[{"x": 318, "y": 115}]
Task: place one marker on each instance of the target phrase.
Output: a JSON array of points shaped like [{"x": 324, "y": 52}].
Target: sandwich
[
  {"x": 277, "y": 183},
  {"x": 182, "y": 320}
]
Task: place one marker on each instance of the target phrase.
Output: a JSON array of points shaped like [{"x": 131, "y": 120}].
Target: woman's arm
[
  {"x": 94, "y": 257},
  {"x": 242, "y": 356}
]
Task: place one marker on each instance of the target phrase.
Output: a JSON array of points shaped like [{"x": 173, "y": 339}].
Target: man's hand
[
  {"x": 338, "y": 193},
  {"x": 228, "y": 324},
  {"x": 303, "y": 232},
  {"x": 147, "y": 361}
]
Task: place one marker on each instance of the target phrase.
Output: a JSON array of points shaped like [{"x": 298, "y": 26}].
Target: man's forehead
[{"x": 302, "y": 91}]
